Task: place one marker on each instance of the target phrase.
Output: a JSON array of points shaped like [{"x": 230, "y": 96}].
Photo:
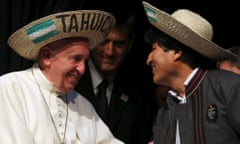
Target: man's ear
[
  {"x": 177, "y": 55},
  {"x": 45, "y": 52},
  {"x": 45, "y": 55}
]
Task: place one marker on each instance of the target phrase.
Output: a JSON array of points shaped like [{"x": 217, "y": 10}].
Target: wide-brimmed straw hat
[
  {"x": 91, "y": 24},
  {"x": 189, "y": 28}
]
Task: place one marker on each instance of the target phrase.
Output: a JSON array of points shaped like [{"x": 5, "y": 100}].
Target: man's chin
[{"x": 69, "y": 88}]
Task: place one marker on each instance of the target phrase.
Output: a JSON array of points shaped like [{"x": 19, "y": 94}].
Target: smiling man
[
  {"x": 203, "y": 102},
  {"x": 39, "y": 105}
]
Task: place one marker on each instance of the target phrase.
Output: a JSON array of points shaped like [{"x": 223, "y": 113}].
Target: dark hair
[{"x": 189, "y": 56}]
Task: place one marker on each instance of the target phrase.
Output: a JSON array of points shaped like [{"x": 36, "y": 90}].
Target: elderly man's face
[{"x": 64, "y": 63}]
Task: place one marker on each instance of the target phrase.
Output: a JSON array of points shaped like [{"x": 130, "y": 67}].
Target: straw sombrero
[
  {"x": 92, "y": 24},
  {"x": 188, "y": 28}
]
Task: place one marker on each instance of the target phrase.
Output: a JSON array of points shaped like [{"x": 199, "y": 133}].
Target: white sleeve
[
  {"x": 12, "y": 123},
  {"x": 103, "y": 133}
]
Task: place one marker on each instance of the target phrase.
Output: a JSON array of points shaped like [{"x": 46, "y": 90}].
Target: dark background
[{"x": 16, "y": 13}]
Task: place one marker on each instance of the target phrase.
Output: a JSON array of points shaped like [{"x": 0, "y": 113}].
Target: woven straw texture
[
  {"x": 92, "y": 24},
  {"x": 189, "y": 28}
]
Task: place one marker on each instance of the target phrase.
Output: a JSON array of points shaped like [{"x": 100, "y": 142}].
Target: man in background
[
  {"x": 126, "y": 113},
  {"x": 231, "y": 63}
]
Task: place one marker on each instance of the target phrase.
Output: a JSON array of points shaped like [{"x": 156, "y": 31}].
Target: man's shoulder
[
  {"x": 223, "y": 75},
  {"x": 14, "y": 77},
  {"x": 222, "y": 78}
]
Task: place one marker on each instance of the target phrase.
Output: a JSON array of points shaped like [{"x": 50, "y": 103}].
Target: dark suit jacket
[{"x": 130, "y": 118}]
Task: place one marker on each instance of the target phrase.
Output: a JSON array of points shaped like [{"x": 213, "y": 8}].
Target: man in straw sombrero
[
  {"x": 203, "y": 103},
  {"x": 39, "y": 104}
]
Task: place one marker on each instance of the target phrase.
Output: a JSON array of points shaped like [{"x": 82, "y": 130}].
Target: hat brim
[
  {"x": 91, "y": 24},
  {"x": 169, "y": 25}
]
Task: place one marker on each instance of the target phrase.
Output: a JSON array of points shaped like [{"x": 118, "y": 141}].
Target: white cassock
[{"x": 31, "y": 112}]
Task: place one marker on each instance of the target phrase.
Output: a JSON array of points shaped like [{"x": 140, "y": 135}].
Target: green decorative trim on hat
[
  {"x": 44, "y": 37},
  {"x": 151, "y": 14},
  {"x": 42, "y": 31}
]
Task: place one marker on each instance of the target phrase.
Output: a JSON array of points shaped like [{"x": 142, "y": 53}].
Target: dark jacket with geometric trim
[{"x": 211, "y": 114}]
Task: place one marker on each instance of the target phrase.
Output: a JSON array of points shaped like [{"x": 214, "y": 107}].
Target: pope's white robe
[{"x": 25, "y": 117}]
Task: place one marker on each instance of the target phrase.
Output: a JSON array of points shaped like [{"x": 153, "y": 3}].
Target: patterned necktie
[{"x": 102, "y": 103}]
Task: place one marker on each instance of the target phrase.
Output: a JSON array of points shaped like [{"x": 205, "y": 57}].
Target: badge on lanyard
[{"x": 212, "y": 112}]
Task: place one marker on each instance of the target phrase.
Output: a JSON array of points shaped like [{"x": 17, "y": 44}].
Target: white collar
[
  {"x": 183, "y": 99},
  {"x": 43, "y": 81}
]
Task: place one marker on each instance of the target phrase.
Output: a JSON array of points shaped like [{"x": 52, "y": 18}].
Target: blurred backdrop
[{"x": 16, "y": 13}]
